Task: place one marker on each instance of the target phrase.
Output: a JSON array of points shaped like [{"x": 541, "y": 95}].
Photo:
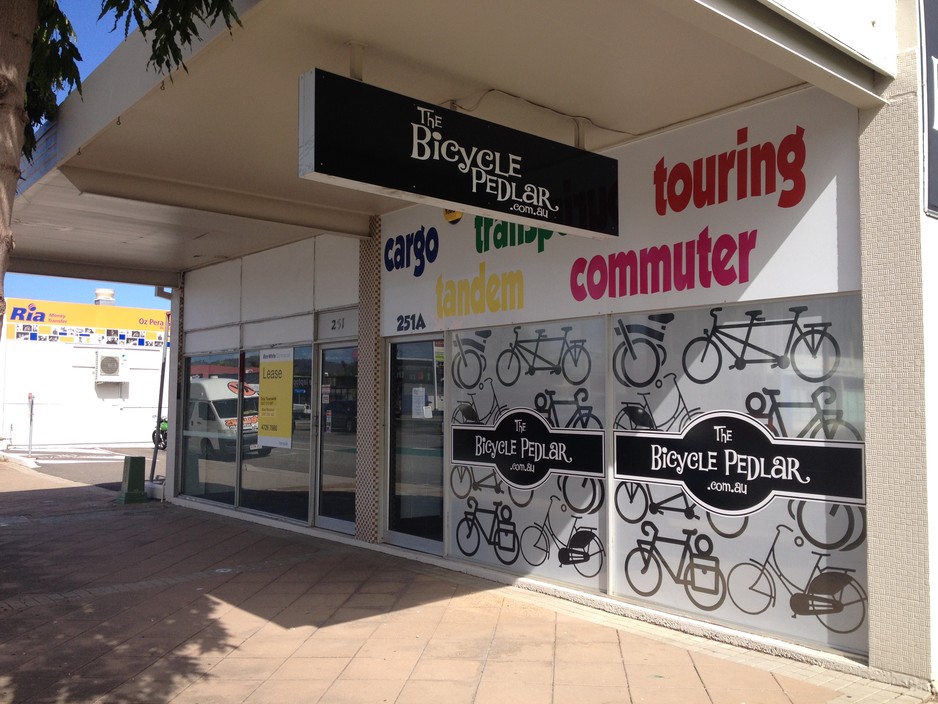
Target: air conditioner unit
[{"x": 109, "y": 367}]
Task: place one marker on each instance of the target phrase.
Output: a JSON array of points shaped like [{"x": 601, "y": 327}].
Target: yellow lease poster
[{"x": 275, "y": 406}]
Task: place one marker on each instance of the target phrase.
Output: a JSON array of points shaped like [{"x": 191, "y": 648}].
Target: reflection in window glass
[
  {"x": 210, "y": 427},
  {"x": 274, "y": 470},
  {"x": 416, "y": 442},
  {"x": 339, "y": 421}
]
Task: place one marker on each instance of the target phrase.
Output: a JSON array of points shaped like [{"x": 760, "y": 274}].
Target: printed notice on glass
[{"x": 275, "y": 408}]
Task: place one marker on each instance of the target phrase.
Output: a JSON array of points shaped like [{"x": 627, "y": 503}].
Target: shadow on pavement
[{"x": 138, "y": 602}]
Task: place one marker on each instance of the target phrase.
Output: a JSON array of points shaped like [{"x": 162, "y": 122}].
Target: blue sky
[{"x": 95, "y": 41}]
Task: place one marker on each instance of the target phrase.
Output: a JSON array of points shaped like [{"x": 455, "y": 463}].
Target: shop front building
[{"x": 683, "y": 376}]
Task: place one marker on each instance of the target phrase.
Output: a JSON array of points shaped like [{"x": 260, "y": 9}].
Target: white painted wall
[{"x": 69, "y": 406}]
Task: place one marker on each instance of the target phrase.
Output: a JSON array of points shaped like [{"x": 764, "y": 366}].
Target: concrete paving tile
[
  {"x": 662, "y": 675},
  {"x": 356, "y": 614},
  {"x": 527, "y": 671},
  {"x": 384, "y": 648},
  {"x": 442, "y": 691},
  {"x": 580, "y": 694},
  {"x": 471, "y": 614},
  {"x": 421, "y": 613},
  {"x": 717, "y": 673},
  {"x": 434, "y": 592},
  {"x": 391, "y": 668},
  {"x": 346, "y": 630},
  {"x": 70, "y": 655},
  {"x": 325, "y": 668},
  {"x": 645, "y": 650},
  {"x": 280, "y": 691},
  {"x": 521, "y": 649},
  {"x": 590, "y": 674},
  {"x": 573, "y": 651},
  {"x": 116, "y": 667},
  {"x": 266, "y": 647},
  {"x": 298, "y": 615},
  {"x": 382, "y": 602},
  {"x": 140, "y": 645},
  {"x": 747, "y": 696},
  {"x": 361, "y": 691},
  {"x": 525, "y": 605},
  {"x": 315, "y": 647},
  {"x": 579, "y": 631},
  {"x": 385, "y": 585},
  {"x": 667, "y": 696},
  {"x": 463, "y": 631},
  {"x": 176, "y": 669},
  {"x": 135, "y": 692},
  {"x": 449, "y": 669},
  {"x": 464, "y": 596},
  {"x": 501, "y": 691},
  {"x": 445, "y": 648},
  {"x": 200, "y": 648},
  {"x": 245, "y": 668},
  {"x": 209, "y": 690},
  {"x": 18, "y": 691},
  {"x": 404, "y": 631},
  {"x": 521, "y": 628}
]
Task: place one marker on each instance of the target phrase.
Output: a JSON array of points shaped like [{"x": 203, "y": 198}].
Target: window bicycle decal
[
  {"x": 582, "y": 547},
  {"x": 634, "y": 501},
  {"x": 500, "y": 534},
  {"x": 556, "y": 354},
  {"x": 697, "y": 569},
  {"x": 640, "y": 415},
  {"x": 469, "y": 358},
  {"x": 810, "y": 349},
  {"x": 830, "y": 594},
  {"x": 637, "y": 359},
  {"x": 826, "y": 422}
]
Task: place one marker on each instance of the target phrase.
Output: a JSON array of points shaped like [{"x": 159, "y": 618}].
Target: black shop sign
[
  {"x": 525, "y": 450},
  {"x": 730, "y": 463},
  {"x": 355, "y": 134}
]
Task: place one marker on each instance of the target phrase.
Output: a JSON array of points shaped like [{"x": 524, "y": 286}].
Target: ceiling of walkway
[{"x": 155, "y": 176}]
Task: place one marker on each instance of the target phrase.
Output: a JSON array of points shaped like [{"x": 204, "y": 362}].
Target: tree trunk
[{"x": 18, "y": 20}]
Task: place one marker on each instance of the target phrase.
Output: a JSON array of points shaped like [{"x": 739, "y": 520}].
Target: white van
[{"x": 212, "y": 416}]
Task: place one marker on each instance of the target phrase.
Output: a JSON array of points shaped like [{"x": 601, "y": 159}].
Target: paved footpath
[{"x": 148, "y": 603}]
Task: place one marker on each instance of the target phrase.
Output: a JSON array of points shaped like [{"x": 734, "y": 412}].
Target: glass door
[
  {"x": 338, "y": 428},
  {"x": 415, "y": 506}
]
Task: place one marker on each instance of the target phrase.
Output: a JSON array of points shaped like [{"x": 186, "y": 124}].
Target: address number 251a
[{"x": 414, "y": 321}]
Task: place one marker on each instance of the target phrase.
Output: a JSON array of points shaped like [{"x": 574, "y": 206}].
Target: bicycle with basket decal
[
  {"x": 827, "y": 422},
  {"x": 501, "y": 533},
  {"x": 583, "y": 549},
  {"x": 830, "y": 594},
  {"x": 639, "y": 416},
  {"x": 698, "y": 570},
  {"x": 468, "y": 411}
]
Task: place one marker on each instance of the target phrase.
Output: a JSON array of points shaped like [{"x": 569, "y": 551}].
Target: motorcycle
[{"x": 159, "y": 435}]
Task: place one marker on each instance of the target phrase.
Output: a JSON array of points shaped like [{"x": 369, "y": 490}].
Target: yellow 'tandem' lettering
[{"x": 480, "y": 294}]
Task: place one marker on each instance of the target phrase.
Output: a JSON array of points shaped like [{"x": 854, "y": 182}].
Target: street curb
[
  {"x": 18, "y": 464},
  {"x": 27, "y": 462}
]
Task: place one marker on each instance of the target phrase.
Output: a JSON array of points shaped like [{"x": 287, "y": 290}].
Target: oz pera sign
[{"x": 372, "y": 139}]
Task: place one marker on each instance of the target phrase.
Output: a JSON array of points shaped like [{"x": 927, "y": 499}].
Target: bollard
[{"x": 132, "y": 487}]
